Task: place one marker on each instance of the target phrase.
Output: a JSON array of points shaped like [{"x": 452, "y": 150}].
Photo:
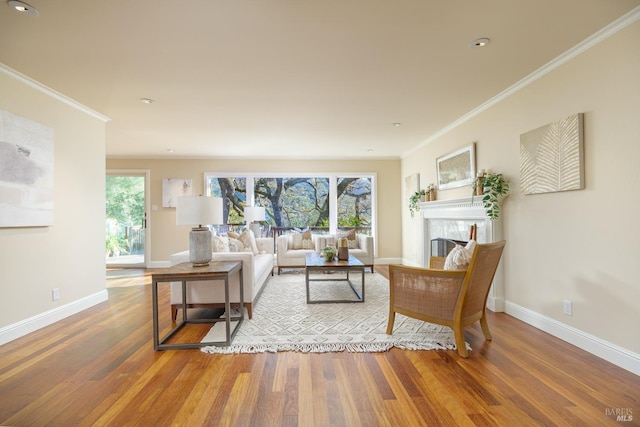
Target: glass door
[{"x": 126, "y": 219}]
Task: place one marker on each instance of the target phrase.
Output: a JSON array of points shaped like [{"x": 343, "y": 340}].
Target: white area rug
[{"x": 283, "y": 321}]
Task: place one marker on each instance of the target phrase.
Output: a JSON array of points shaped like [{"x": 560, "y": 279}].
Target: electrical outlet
[
  {"x": 566, "y": 307},
  {"x": 55, "y": 294}
]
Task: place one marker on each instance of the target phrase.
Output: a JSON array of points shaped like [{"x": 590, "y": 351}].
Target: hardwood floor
[{"x": 99, "y": 368}]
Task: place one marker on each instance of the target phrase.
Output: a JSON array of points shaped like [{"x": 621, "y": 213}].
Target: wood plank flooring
[{"x": 99, "y": 368}]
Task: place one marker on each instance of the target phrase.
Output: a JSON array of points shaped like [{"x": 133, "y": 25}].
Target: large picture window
[
  {"x": 294, "y": 202},
  {"x": 233, "y": 191},
  {"x": 324, "y": 202},
  {"x": 354, "y": 202}
]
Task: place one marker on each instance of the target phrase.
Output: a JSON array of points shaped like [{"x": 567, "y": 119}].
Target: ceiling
[{"x": 288, "y": 78}]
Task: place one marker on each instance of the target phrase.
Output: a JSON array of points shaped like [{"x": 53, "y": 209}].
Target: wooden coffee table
[{"x": 316, "y": 263}]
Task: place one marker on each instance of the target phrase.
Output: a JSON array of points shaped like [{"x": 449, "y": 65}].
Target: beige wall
[
  {"x": 68, "y": 255},
  {"x": 167, "y": 238},
  {"x": 579, "y": 245}
]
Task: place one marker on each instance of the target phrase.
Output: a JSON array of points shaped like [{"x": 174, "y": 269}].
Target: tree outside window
[
  {"x": 354, "y": 202},
  {"x": 294, "y": 202}
]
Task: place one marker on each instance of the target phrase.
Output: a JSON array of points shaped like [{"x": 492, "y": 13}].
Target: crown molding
[
  {"x": 50, "y": 92},
  {"x": 617, "y": 25}
]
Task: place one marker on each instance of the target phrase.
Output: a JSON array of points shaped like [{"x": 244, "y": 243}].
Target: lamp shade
[
  {"x": 198, "y": 210},
  {"x": 254, "y": 213}
]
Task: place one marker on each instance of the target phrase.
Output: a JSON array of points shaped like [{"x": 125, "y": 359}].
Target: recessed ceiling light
[
  {"x": 369, "y": 150},
  {"x": 478, "y": 43},
  {"x": 23, "y": 8},
  {"x": 169, "y": 150},
  {"x": 397, "y": 124},
  {"x": 147, "y": 100}
]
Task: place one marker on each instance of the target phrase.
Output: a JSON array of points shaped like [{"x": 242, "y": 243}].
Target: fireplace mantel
[{"x": 452, "y": 219}]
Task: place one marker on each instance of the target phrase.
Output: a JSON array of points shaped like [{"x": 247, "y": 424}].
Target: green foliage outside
[
  {"x": 297, "y": 202},
  {"x": 124, "y": 208}
]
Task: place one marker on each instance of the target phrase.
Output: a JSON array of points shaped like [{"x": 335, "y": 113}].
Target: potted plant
[
  {"x": 329, "y": 253},
  {"x": 416, "y": 198},
  {"x": 493, "y": 186}
]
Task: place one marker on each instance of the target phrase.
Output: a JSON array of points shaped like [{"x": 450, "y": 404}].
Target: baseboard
[
  {"x": 26, "y": 326},
  {"x": 409, "y": 263},
  {"x": 610, "y": 352},
  {"x": 386, "y": 261}
]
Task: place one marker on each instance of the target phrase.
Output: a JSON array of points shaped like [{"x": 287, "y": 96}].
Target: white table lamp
[
  {"x": 252, "y": 214},
  {"x": 198, "y": 211}
]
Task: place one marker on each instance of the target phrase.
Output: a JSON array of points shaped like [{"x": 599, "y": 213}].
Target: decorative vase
[{"x": 343, "y": 249}]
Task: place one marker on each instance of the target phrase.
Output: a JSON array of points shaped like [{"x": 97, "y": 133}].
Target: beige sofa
[
  {"x": 289, "y": 255},
  {"x": 256, "y": 269}
]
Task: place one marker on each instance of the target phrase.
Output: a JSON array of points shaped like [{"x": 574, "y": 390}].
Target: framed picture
[
  {"x": 457, "y": 169},
  {"x": 172, "y": 188}
]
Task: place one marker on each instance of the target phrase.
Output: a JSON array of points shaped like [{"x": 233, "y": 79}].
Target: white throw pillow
[
  {"x": 235, "y": 245},
  {"x": 221, "y": 244},
  {"x": 249, "y": 241},
  {"x": 295, "y": 240},
  {"x": 460, "y": 256}
]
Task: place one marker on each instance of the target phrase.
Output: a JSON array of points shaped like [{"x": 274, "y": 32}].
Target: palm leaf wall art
[{"x": 552, "y": 157}]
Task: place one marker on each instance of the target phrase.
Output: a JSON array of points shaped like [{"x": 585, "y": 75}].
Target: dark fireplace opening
[{"x": 442, "y": 246}]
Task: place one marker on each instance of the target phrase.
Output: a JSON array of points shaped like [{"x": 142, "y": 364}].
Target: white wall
[
  {"x": 579, "y": 245},
  {"x": 68, "y": 255}
]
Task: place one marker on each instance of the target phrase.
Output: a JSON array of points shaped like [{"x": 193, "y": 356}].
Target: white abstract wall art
[
  {"x": 457, "y": 169},
  {"x": 26, "y": 172},
  {"x": 172, "y": 188},
  {"x": 552, "y": 157}
]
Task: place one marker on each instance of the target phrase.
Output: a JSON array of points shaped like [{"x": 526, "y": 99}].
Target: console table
[{"x": 220, "y": 271}]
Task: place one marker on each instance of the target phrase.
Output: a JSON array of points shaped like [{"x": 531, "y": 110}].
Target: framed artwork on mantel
[
  {"x": 457, "y": 169},
  {"x": 172, "y": 188}
]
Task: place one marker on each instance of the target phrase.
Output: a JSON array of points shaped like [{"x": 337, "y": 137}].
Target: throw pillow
[
  {"x": 307, "y": 241},
  {"x": 221, "y": 244},
  {"x": 460, "y": 256},
  {"x": 235, "y": 245},
  {"x": 295, "y": 240},
  {"x": 351, "y": 238},
  {"x": 233, "y": 235},
  {"x": 249, "y": 241}
]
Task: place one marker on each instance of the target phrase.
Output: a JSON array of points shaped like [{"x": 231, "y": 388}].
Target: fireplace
[
  {"x": 441, "y": 246},
  {"x": 451, "y": 220}
]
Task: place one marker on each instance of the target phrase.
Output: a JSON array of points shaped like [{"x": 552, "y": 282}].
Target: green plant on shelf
[
  {"x": 416, "y": 198},
  {"x": 493, "y": 187}
]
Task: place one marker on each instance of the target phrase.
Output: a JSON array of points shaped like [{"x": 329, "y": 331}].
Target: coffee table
[{"x": 314, "y": 262}]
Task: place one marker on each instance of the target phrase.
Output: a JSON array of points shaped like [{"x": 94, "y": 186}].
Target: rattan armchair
[{"x": 454, "y": 298}]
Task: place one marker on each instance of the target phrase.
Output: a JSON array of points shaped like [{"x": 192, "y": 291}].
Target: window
[
  {"x": 354, "y": 203},
  {"x": 294, "y": 202},
  {"x": 233, "y": 190},
  {"x": 328, "y": 201}
]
